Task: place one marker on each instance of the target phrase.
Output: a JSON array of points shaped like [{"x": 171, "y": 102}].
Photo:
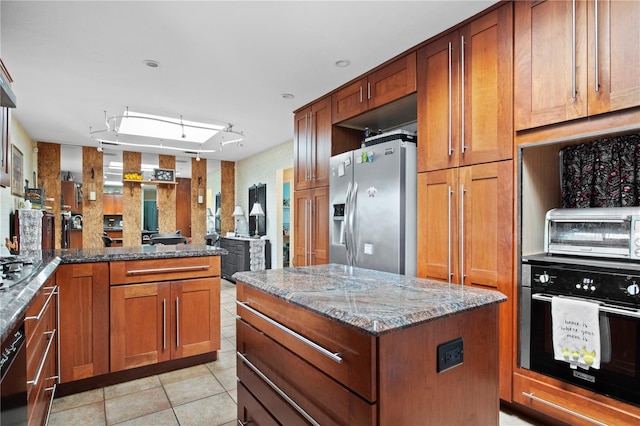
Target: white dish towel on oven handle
[{"x": 576, "y": 332}]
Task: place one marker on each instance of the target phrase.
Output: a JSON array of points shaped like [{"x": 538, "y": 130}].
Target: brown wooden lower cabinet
[
  {"x": 156, "y": 322},
  {"x": 389, "y": 379},
  {"x": 84, "y": 320},
  {"x": 465, "y": 234},
  {"x": 570, "y": 404},
  {"x": 311, "y": 227}
]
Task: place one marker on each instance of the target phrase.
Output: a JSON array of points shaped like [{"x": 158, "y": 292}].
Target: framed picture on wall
[
  {"x": 17, "y": 172},
  {"x": 165, "y": 175}
]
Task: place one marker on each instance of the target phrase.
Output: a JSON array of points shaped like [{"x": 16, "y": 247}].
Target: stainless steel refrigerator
[{"x": 373, "y": 207}]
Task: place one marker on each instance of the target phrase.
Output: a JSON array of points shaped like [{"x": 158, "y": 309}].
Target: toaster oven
[{"x": 608, "y": 232}]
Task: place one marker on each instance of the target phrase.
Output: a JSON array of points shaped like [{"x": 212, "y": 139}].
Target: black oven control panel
[{"x": 582, "y": 282}]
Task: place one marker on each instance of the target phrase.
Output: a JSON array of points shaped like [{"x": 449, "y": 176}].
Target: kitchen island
[{"x": 332, "y": 344}]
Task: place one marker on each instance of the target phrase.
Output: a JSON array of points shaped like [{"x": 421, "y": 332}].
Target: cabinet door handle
[
  {"x": 450, "y": 93},
  {"x": 462, "y": 236},
  {"x": 334, "y": 356},
  {"x": 311, "y": 229},
  {"x": 574, "y": 89},
  {"x": 177, "y": 321},
  {"x": 462, "y": 102},
  {"x": 278, "y": 390},
  {"x": 59, "y": 377},
  {"x": 368, "y": 90},
  {"x": 360, "y": 93},
  {"x": 310, "y": 146},
  {"x": 164, "y": 324},
  {"x": 449, "y": 271},
  {"x": 314, "y": 144},
  {"x": 597, "y": 58},
  {"x": 165, "y": 270},
  {"x": 54, "y": 290},
  {"x": 44, "y": 358},
  {"x": 564, "y": 410}
]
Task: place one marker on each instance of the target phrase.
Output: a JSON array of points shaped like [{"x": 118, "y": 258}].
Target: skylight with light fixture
[
  {"x": 154, "y": 133},
  {"x": 156, "y": 126}
]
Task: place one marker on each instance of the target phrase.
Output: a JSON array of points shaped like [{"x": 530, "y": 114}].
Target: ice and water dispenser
[{"x": 338, "y": 223}]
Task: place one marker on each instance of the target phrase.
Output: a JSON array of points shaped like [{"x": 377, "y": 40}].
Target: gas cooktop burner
[{"x": 16, "y": 269}]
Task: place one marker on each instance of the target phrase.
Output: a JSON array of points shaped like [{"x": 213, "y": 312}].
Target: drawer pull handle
[
  {"x": 44, "y": 358},
  {"x": 53, "y": 393},
  {"x": 164, "y": 270},
  {"x": 565, "y": 410},
  {"x": 333, "y": 356},
  {"x": 278, "y": 390},
  {"x": 54, "y": 290}
]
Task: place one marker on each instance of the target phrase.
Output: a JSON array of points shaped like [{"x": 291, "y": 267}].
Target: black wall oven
[{"x": 616, "y": 287}]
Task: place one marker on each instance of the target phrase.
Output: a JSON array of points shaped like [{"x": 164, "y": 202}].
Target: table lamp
[
  {"x": 256, "y": 211},
  {"x": 237, "y": 213}
]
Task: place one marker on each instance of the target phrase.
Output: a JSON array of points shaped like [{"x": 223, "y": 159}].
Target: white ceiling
[{"x": 220, "y": 61}]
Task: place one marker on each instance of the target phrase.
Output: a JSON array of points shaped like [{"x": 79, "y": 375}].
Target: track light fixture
[{"x": 145, "y": 131}]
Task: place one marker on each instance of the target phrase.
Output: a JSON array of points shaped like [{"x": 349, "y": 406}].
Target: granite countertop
[
  {"x": 15, "y": 300},
  {"x": 241, "y": 238},
  {"x": 371, "y": 301}
]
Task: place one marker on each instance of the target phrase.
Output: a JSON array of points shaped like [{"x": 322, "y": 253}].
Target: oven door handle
[{"x": 604, "y": 307}]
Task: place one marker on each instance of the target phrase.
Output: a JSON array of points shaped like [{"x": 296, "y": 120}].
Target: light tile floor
[{"x": 200, "y": 395}]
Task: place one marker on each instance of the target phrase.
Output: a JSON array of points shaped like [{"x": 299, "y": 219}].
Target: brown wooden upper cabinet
[
  {"x": 465, "y": 92},
  {"x": 112, "y": 204},
  {"x": 380, "y": 87},
  {"x": 72, "y": 196},
  {"x": 575, "y": 59},
  {"x": 312, "y": 145}
]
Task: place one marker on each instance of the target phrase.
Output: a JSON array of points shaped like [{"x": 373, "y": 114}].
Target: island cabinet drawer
[
  {"x": 153, "y": 270},
  {"x": 320, "y": 397},
  {"x": 252, "y": 412},
  {"x": 344, "y": 353}
]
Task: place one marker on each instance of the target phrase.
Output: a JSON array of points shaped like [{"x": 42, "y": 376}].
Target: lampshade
[
  {"x": 237, "y": 212},
  {"x": 256, "y": 210},
  {"x": 218, "y": 212}
]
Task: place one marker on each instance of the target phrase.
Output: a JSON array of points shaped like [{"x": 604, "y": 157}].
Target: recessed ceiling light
[
  {"x": 151, "y": 63},
  {"x": 342, "y": 63},
  {"x": 287, "y": 96}
]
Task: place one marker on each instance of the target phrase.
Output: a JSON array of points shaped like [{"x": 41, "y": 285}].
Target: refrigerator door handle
[
  {"x": 347, "y": 209},
  {"x": 352, "y": 245}
]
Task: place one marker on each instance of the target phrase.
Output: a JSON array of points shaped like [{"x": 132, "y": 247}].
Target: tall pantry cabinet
[
  {"x": 465, "y": 184},
  {"x": 312, "y": 152}
]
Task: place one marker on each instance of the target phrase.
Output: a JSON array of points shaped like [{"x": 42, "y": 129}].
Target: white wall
[
  {"x": 263, "y": 168},
  {"x": 8, "y": 203}
]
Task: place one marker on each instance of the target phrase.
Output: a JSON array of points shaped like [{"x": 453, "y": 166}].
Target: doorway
[{"x": 285, "y": 217}]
